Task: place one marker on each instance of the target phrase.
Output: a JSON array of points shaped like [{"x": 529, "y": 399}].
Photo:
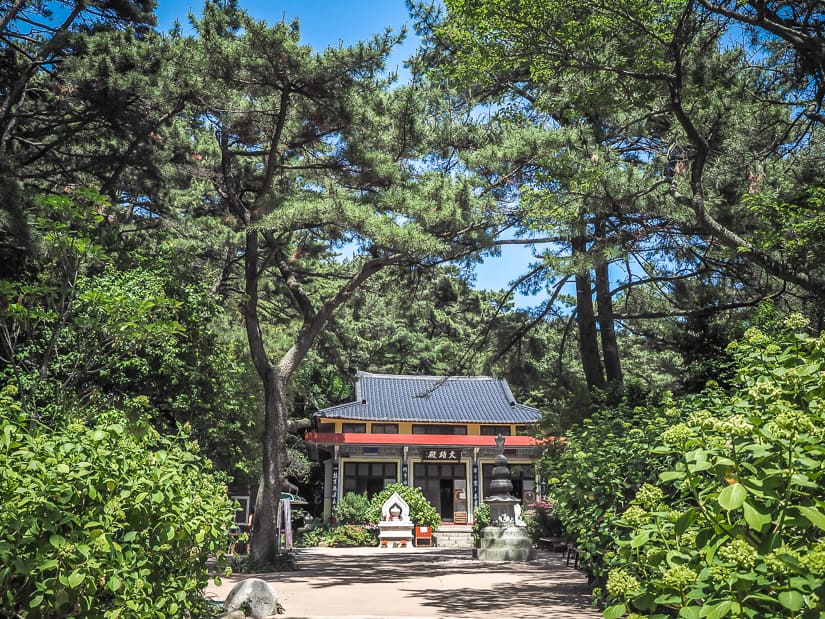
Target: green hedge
[
  {"x": 353, "y": 508},
  {"x": 595, "y": 472},
  {"x": 736, "y": 527},
  {"x": 353, "y": 535},
  {"x": 104, "y": 519}
]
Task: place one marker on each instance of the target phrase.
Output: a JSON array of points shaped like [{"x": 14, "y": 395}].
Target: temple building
[{"x": 435, "y": 433}]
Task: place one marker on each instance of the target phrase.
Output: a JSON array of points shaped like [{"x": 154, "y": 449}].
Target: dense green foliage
[
  {"x": 353, "y": 508},
  {"x": 736, "y": 526},
  {"x": 315, "y": 536},
  {"x": 594, "y": 473},
  {"x": 353, "y": 535},
  {"x": 712, "y": 505},
  {"x": 422, "y": 512},
  {"x": 104, "y": 518},
  {"x": 543, "y": 522},
  {"x": 481, "y": 519},
  {"x": 210, "y": 230}
]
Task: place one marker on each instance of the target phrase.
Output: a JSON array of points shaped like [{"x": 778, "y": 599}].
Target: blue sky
[{"x": 325, "y": 23}]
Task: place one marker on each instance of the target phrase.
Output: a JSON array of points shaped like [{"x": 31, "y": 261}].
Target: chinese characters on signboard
[
  {"x": 475, "y": 484},
  {"x": 442, "y": 455},
  {"x": 334, "y": 484}
]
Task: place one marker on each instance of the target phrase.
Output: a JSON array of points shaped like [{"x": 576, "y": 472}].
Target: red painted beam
[{"x": 458, "y": 440}]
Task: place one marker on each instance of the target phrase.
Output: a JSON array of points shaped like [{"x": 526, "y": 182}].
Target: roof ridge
[{"x": 361, "y": 373}]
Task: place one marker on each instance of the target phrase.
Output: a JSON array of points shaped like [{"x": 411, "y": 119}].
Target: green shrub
[
  {"x": 481, "y": 519},
  {"x": 422, "y": 512},
  {"x": 595, "y": 472},
  {"x": 315, "y": 536},
  {"x": 544, "y": 523},
  {"x": 744, "y": 535},
  {"x": 104, "y": 519},
  {"x": 353, "y": 508},
  {"x": 353, "y": 535}
]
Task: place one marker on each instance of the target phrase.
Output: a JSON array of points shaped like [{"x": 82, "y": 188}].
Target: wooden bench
[
  {"x": 561, "y": 544},
  {"x": 553, "y": 543}
]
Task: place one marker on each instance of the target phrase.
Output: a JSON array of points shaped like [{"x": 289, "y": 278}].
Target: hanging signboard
[
  {"x": 442, "y": 455},
  {"x": 287, "y": 505},
  {"x": 334, "y": 484}
]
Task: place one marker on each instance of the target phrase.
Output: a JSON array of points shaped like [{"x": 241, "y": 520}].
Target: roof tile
[{"x": 453, "y": 399}]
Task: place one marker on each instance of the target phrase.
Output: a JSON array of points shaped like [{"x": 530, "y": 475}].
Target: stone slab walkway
[{"x": 373, "y": 583}]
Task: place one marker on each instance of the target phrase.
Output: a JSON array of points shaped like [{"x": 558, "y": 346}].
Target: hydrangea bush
[
  {"x": 595, "y": 472},
  {"x": 736, "y": 528},
  {"x": 104, "y": 518}
]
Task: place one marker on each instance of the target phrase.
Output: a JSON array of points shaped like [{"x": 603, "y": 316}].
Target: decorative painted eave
[{"x": 456, "y": 440}]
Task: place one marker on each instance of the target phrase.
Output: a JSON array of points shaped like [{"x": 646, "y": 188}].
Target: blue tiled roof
[{"x": 454, "y": 399}]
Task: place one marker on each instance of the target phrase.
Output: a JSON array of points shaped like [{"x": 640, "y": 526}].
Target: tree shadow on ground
[
  {"x": 526, "y": 587},
  {"x": 510, "y": 600},
  {"x": 379, "y": 568}
]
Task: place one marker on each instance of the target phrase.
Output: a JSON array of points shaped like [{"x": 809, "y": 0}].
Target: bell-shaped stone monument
[{"x": 506, "y": 539}]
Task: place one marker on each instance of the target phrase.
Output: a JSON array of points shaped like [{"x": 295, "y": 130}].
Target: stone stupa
[{"x": 506, "y": 539}]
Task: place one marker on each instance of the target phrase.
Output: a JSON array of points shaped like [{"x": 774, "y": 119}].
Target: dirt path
[{"x": 424, "y": 582}]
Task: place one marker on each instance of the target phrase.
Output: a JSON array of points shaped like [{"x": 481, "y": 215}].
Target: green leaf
[
  {"x": 690, "y": 612},
  {"x": 814, "y": 516},
  {"x": 700, "y": 465},
  {"x": 716, "y": 611},
  {"x": 615, "y": 611},
  {"x": 645, "y": 601},
  {"x": 48, "y": 564},
  {"x": 756, "y": 520},
  {"x": 641, "y": 539},
  {"x": 732, "y": 496},
  {"x": 684, "y": 521},
  {"x": 76, "y": 579},
  {"x": 671, "y": 475},
  {"x": 792, "y": 600},
  {"x": 114, "y": 583},
  {"x": 57, "y": 540}
]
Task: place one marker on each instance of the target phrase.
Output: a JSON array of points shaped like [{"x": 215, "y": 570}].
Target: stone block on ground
[{"x": 255, "y": 595}]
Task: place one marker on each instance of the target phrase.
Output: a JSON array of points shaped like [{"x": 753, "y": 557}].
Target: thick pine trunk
[
  {"x": 264, "y": 536},
  {"x": 586, "y": 320},
  {"x": 607, "y": 328},
  {"x": 276, "y": 379},
  {"x": 263, "y": 548}
]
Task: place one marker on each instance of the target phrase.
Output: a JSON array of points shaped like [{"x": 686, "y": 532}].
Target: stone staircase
[{"x": 454, "y": 536}]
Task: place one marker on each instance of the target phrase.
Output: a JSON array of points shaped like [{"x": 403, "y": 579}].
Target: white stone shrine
[{"x": 395, "y": 528}]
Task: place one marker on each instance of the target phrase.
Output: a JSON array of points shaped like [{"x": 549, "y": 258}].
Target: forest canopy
[{"x": 214, "y": 227}]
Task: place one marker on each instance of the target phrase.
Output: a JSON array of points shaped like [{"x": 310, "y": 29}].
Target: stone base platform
[{"x": 505, "y": 544}]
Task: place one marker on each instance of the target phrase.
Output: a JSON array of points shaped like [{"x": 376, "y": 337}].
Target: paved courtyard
[{"x": 424, "y": 582}]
